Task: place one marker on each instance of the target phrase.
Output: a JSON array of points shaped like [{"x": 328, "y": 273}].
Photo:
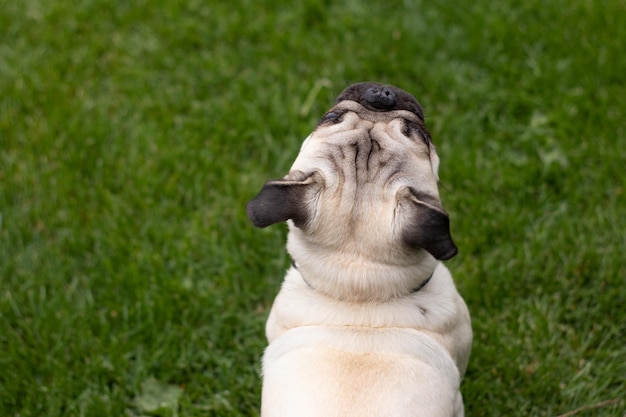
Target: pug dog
[{"x": 368, "y": 322}]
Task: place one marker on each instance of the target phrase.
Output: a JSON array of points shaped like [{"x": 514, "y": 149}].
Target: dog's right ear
[{"x": 281, "y": 200}]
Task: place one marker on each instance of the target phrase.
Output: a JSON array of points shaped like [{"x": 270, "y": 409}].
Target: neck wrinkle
[{"x": 343, "y": 285}]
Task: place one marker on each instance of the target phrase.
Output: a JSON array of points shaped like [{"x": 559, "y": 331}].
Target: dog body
[{"x": 368, "y": 322}]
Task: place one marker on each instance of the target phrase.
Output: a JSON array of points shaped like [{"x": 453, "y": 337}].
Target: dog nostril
[{"x": 381, "y": 98}]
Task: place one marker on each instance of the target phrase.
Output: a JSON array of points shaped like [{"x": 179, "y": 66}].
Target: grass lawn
[{"x": 133, "y": 133}]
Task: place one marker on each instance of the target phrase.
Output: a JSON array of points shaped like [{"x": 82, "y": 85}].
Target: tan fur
[
  {"x": 354, "y": 203},
  {"x": 348, "y": 335}
]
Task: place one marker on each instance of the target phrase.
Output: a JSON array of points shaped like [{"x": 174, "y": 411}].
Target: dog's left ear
[
  {"x": 427, "y": 226},
  {"x": 281, "y": 200}
]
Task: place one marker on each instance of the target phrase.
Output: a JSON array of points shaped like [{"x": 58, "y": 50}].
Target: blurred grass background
[{"x": 133, "y": 133}]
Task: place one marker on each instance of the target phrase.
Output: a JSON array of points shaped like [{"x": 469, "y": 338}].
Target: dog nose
[{"x": 381, "y": 97}]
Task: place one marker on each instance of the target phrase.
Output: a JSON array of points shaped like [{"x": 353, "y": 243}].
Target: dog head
[{"x": 362, "y": 194}]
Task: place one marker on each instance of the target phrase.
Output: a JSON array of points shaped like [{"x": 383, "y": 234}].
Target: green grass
[{"x": 133, "y": 133}]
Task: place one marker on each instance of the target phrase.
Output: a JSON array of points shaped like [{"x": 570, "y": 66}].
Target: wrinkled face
[{"x": 365, "y": 180}]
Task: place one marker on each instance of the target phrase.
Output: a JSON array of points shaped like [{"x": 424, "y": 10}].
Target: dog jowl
[{"x": 368, "y": 321}]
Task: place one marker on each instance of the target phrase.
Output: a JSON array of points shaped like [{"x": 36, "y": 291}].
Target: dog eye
[
  {"x": 331, "y": 116},
  {"x": 410, "y": 127},
  {"x": 406, "y": 129}
]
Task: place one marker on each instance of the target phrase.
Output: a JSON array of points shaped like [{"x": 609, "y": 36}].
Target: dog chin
[{"x": 358, "y": 278}]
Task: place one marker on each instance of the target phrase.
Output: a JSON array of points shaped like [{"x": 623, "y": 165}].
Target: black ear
[
  {"x": 428, "y": 227},
  {"x": 281, "y": 200}
]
